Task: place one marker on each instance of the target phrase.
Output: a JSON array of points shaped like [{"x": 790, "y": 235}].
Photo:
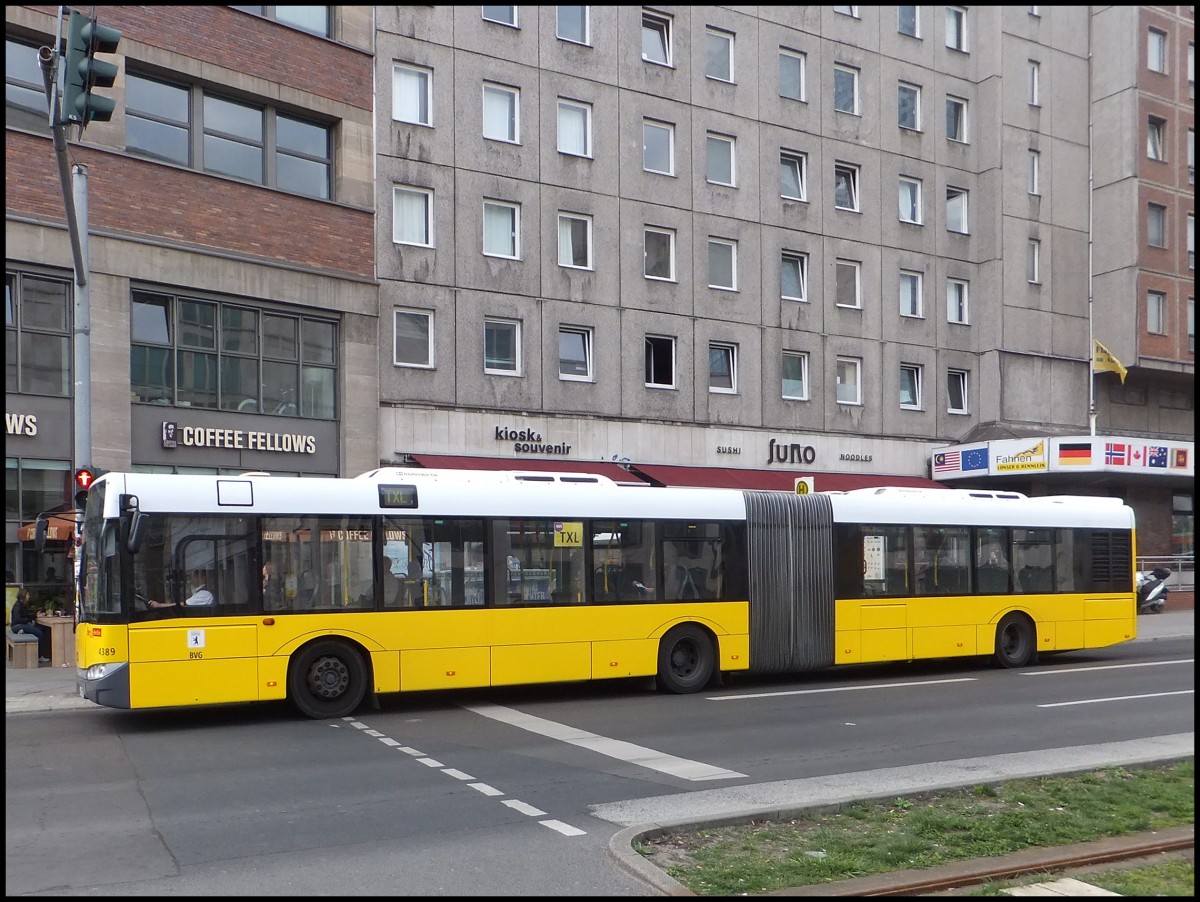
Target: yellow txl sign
[{"x": 568, "y": 535}]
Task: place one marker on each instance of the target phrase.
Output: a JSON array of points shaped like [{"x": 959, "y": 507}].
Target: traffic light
[
  {"x": 84, "y": 73},
  {"x": 84, "y": 477}
]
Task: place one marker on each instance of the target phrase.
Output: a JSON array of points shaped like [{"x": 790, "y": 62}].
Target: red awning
[
  {"x": 59, "y": 528},
  {"x": 615, "y": 472},
  {"x": 773, "y": 480}
]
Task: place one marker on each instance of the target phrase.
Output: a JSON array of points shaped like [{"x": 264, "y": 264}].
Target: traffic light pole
[
  {"x": 83, "y": 328},
  {"x": 48, "y": 58}
]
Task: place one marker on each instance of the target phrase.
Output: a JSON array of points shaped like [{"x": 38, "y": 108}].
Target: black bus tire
[
  {"x": 686, "y": 660},
  {"x": 1016, "y": 641},
  {"x": 327, "y": 679}
]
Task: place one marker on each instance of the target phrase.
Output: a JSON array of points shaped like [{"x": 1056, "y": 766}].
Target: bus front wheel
[
  {"x": 685, "y": 659},
  {"x": 1016, "y": 641},
  {"x": 327, "y": 679}
]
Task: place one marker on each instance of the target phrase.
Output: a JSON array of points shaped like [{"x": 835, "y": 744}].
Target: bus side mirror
[{"x": 137, "y": 532}]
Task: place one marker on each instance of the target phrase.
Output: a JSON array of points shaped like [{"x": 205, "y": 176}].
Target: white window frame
[
  {"x": 1156, "y": 212},
  {"x": 916, "y": 214},
  {"x": 910, "y": 381},
  {"x": 1191, "y": 240},
  {"x": 916, "y": 32},
  {"x": 513, "y": 22},
  {"x": 575, "y": 106},
  {"x": 652, "y": 341},
  {"x": 1035, "y": 83},
  {"x": 586, "y": 335},
  {"x": 428, "y": 362},
  {"x": 1156, "y": 138},
  {"x": 956, "y": 29},
  {"x": 669, "y": 234},
  {"x": 798, "y": 163},
  {"x": 958, "y": 299},
  {"x": 953, "y": 196},
  {"x": 1034, "y": 174},
  {"x": 801, "y": 358},
  {"x": 729, "y": 38},
  {"x": 848, "y": 381},
  {"x": 730, "y": 142},
  {"x": 513, "y": 131},
  {"x": 426, "y": 228},
  {"x": 913, "y": 300},
  {"x": 850, "y": 171},
  {"x": 660, "y": 26},
  {"x": 727, "y": 352},
  {"x": 801, "y": 266},
  {"x": 512, "y": 229},
  {"x": 901, "y": 87},
  {"x": 801, "y": 59},
  {"x": 1191, "y": 156},
  {"x": 1156, "y": 50},
  {"x": 855, "y": 267},
  {"x": 1033, "y": 262},
  {"x": 586, "y": 39},
  {"x": 851, "y": 11},
  {"x": 491, "y": 323},
  {"x": 714, "y": 247},
  {"x": 963, "y": 106},
  {"x": 568, "y": 235},
  {"x": 669, "y": 128},
  {"x": 423, "y": 98},
  {"x": 1156, "y": 312},
  {"x": 841, "y": 68},
  {"x": 958, "y": 382}
]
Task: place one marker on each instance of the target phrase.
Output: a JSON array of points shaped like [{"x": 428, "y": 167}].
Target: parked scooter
[{"x": 1152, "y": 590}]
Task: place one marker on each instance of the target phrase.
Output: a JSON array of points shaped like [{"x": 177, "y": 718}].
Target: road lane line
[
  {"x": 738, "y": 698},
  {"x": 1116, "y": 698},
  {"x": 1057, "y": 670}
]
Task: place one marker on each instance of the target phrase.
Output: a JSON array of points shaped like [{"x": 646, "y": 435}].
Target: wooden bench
[{"x": 22, "y": 650}]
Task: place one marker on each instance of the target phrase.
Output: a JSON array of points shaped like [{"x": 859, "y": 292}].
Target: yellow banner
[{"x": 1104, "y": 362}]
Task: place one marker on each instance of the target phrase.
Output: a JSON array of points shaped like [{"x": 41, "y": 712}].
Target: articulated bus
[{"x": 406, "y": 579}]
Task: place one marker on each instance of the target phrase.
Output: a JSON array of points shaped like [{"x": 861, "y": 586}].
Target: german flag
[{"x": 1075, "y": 453}]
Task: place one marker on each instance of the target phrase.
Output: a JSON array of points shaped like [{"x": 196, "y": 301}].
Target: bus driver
[{"x": 200, "y": 596}]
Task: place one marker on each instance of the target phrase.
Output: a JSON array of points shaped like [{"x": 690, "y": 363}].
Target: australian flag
[{"x": 1156, "y": 456}]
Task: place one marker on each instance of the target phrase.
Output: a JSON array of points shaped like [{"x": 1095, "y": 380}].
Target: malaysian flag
[
  {"x": 1116, "y": 454},
  {"x": 947, "y": 462},
  {"x": 1156, "y": 456}
]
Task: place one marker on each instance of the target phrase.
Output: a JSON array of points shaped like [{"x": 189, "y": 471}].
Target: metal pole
[
  {"x": 1091, "y": 348},
  {"x": 83, "y": 353},
  {"x": 48, "y": 59}
]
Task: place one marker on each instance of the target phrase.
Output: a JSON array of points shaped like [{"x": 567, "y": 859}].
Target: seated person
[
  {"x": 200, "y": 597},
  {"x": 23, "y": 619}
]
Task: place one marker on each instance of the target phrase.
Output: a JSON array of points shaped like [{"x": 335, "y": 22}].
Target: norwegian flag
[{"x": 1116, "y": 454}]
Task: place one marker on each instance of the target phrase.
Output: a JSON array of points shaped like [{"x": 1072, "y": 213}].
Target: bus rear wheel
[
  {"x": 327, "y": 679},
  {"x": 1016, "y": 641},
  {"x": 685, "y": 659}
]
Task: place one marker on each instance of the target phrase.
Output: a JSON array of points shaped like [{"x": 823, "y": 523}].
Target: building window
[
  {"x": 1125, "y": 394},
  {"x": 37, "y": 339},
  {"x": 848, "y": 373},
  {"x": 1035, "y": 173},
  {"x": 956, "y": 210},
  {"x": 32, "y": 487},
  {"x": 501, "y": 113},
  {"x": 574, "y": 128},
  {"x": 302, "y": 157},
  {"x": 231, "y": 355},
  {"x": 1156, "y": 225},
  {"x": 848, "y": 283},
  {"x": 575, "y": 354},
  {"x": 718, "y": 63},
  {"x": 845, "y": 89},
  {"x": 656, "y": 38},
  {"x": 1176, "y": 400},
  {"x": 910, "y": 200},
  {"x": 233, "y": 139},
  {"x": 501, "y": 230},
  {"x": 1191, "y": 240},
  {"x": 1033, "y": 261},
  {"x": 720, "y": 161},
  {"x": 956, "y": 391},
  {"x": 660, "y": 361},
  {"x": 795, "y": 375},
  {"x": 572, "y": 24},
  {"x": 722, "y": 264},
  {"x": 956, "y": 301},
  {"x": 1035, "y": 83},
  {"x": 793, "y": 276},
  {"x": 157, "y": 120},
  {"x": 908, "y": 99},
  {"x": 793, "y": 175},
  {"x": 1191, "y": 325},
  {"x": 1156, "y": 50},
  {"x": 845, "y": 186},
  {"x": 1155, "y": 133},
  {"x": 574, "y": 241},
  {"x": 24, "y": 90},
  {"x": 910, "y": 294},
  {"x": 502, "y": 347},
  {"x": 722, "y": 368},
  {"x": 956, "y": 119},
  {"x": 956, "y": 28},
  {"x": 660, "y": 254},
  {"x": 791, "y": 74},
  {"x": 851, "y": 11},
  {"x": 908, "y": 20},
  {"x": 1191, "y": 156},
  {"x": 411, "y": 92},
  {"x": 1156, "y": 307},
  {"x": 413, "y": 339},
  {"x": 501, "y": 15},
  {"x": 910, "y": 386},
  {"x": 314, "y": 19},
  {"x": 658, "y": 147},
  {"x": 412, "y": 216},
  {"x": 1191, "y": 64}
]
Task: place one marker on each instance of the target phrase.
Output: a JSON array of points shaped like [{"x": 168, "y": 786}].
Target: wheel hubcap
[{"x": 328, "y": 677}]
